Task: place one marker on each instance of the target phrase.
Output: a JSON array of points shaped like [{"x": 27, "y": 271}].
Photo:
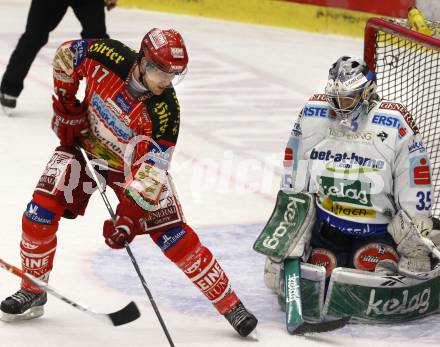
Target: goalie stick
[
  {"x": 294, "y": 319},
  {"x": 125, "y": 315}
]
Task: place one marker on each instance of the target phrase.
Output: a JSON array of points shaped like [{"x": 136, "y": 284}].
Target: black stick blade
[
  {"x": 125, "y": 315},
  {"x": 320, "y": 327}
]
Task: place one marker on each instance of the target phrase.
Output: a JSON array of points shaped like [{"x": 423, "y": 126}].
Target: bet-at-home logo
[
  {"x": 399, "y": 305},
  {"x": 353, "y": 192}
]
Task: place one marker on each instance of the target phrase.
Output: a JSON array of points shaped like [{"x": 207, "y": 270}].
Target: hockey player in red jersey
[{"x": 128, "y": 123}]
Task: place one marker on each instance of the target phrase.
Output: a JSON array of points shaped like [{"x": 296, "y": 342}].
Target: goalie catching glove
[{"x": 412, "y": 237}]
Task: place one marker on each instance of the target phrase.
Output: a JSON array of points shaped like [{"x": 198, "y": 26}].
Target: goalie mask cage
[{"x": 407, "y": 66}]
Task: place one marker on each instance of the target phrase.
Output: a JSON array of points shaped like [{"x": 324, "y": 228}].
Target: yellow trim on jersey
[{"x": 342, "y": 210}]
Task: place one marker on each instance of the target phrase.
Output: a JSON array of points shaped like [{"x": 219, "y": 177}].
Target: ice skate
[
  {"x": 8, "y": 103},
  {"x": 23, "y": 305},
  {"x": 241, "y": 320}
]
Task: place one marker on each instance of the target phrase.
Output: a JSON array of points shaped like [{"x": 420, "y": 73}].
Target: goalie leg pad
[
  {"x": 272, "y": 273},
  {"x": 38, "y": 244},
  {"x": 199, "y": 265}
]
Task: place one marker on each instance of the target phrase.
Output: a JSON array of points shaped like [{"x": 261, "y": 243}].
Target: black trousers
[
  {"x": 43, "y": 17},
  {"x": 344, "y": 246}
]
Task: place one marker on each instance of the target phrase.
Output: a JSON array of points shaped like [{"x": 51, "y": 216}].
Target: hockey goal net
[{"x": 407, "y": 66}]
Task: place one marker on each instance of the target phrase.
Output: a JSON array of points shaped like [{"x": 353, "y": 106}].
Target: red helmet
[{"x": 165, "y": 50}]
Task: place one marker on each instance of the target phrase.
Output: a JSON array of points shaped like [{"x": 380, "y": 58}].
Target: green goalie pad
[
  {"x": 366, "y": 297},
  {"x": 371, "y": 298},
  {"x": 288, "y": 222},
  {"x": 312, "y": 292}
]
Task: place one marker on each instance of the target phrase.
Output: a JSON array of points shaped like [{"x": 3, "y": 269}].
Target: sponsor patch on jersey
[
  {"x": 318, "y": 97},
  {"x": 416, "y": 146},
  {"x": 382, "y": 135},
  {"x": 359, "y": 136},
  {"x": 403, "y": 111},
  {"x": 315, "y": 111},
  {"x": 349, "y": 227},
  {"x": 160, "y": 156},
  {"x": 118, "y": 127},
  {"x": 64, "y": 60},
  {"x": 109, "y": 53},
  {"x": 161, "y": 109},
  {"x": 54, "y": 171},
  {"x": 170, "y": 238},
  {"x": 402, "y": 132},
  {"x": 347, "y": 161},
  {"x": 164, "y": 214},
  {"x": 342, "y": 210},
  {"x": 39, "y": 214},
  {"x": 111, "y": 105},
  {"x": 79, "y": 48},
  {"x": 296, "y": 129},
  {"x": 288, "y": 154},
  {"x": 105, "y": 136},
  {"x": 420, "y": 174},
  {"x": 61, "y": 76},
  {"x": 344, "y": 190},
  {"x": 123, "y": 103},
  {"x": 386, "y": 120}
]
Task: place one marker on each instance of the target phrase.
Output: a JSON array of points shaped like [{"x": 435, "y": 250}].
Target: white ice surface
[{"x": 245, "y": 85}]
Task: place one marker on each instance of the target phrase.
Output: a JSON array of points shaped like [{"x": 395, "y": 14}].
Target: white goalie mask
[{"x": 350, "y": 88}]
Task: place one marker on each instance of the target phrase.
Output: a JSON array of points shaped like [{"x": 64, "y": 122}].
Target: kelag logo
[{"x": 353, "y": 192}]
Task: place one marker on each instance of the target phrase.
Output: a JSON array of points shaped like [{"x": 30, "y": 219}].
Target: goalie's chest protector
[{"x": 351, "y": 170}]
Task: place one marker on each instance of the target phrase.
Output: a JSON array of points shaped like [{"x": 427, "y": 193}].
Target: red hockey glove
[
  {"x": 68, "y": 122},
  {"x": 124, "y": 229}
]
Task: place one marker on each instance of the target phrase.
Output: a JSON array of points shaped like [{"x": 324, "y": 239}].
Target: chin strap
[{"x": 349, "y": 122}]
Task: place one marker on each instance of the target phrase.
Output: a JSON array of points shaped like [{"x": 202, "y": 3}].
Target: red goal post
[{"x": 407, "y": 66}]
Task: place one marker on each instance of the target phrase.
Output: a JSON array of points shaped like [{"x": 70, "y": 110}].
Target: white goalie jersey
[{"x": 361, "y": 175}]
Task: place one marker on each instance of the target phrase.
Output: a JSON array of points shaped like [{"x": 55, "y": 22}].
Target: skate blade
[
  {"x": 253, "y": 335},
  {"x": 7, "y": 111},
  {"x": 32, "y": 313}
]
